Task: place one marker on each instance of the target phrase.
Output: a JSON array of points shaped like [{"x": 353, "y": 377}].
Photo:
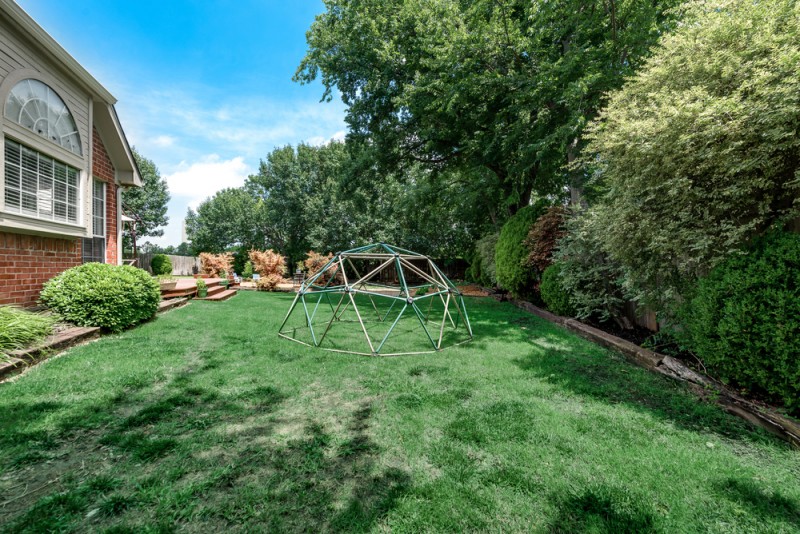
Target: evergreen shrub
[
  {"x": 113, "y": 297},
  {"x": 555, "y": 297},
  {"x": 511, "y": 254},
  {"x": 161, "y": 265},
  {"x": 743, "y": 320}
]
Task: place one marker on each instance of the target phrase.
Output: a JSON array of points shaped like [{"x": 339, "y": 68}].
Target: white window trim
[
  {"x": 104, "y": 215},
  {"x": 18, "y": 219}
]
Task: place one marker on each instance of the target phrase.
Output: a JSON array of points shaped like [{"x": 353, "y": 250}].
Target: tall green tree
[
  {"x": 232, "y": 218},
  {"x": 146, "y": 204},
  {"x": 501, "y": 85}
]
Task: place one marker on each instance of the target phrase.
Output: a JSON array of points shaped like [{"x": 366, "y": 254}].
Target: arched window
[{"x": 37, "y": 107}]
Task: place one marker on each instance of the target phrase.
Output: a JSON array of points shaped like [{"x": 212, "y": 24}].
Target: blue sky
[{"x": 204, "y": 87}]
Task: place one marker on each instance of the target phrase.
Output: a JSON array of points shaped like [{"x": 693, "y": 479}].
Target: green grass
[{"x": 204, "y": 420}]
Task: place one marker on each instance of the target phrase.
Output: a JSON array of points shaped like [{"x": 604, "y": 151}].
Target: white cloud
[
  {"x": 195, "y": 182},
  {"x": 164, "y": 141},
  {"x": 319, "y": 140}
]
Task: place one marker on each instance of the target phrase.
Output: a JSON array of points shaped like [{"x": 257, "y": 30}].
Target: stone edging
[
  {"x": 19, "y": 360},
  {"x": 731, "y": 402}
]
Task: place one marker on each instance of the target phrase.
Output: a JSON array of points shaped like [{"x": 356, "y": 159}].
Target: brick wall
[
  {"x": 27, "y": 262},
  {"x": 103, "y": 170}
]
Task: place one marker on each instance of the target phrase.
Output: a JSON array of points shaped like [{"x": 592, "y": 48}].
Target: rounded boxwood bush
[
  {"x": 743, "y": 319},
  {"x": 511, "y": 254},
  {"x": 555, "y": 297},
  {"x": 109, "y": 296},
  {"x": 161, "y": 264}
]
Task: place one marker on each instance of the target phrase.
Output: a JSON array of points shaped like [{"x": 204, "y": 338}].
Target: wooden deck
[{"x": 187, "y": 288}]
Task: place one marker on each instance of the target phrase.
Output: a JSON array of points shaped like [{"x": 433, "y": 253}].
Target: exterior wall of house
[
  {"x": 103, "y": 170},
  {"x": 34, "y": 250},
  {"x": 28, "y": 261}
]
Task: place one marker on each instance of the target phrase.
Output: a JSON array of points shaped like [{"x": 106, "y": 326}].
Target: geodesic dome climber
[{"x": 378, "y": 300}]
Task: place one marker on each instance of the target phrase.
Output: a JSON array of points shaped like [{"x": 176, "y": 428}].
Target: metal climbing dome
[{"x": 378, "y": 300}]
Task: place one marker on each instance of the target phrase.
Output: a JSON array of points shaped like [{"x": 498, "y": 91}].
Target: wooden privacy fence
[{"x": 181, "y": 265}]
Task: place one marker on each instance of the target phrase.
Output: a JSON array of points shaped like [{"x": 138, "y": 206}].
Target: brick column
[{"x": 103, "y": 170}]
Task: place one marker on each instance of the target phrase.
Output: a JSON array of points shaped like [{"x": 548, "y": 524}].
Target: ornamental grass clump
[
  {"x": 112, "y": 297},
  {"x": 20, "y": 328}
]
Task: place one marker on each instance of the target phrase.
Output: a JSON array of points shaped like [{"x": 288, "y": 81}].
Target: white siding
[{"x": 18, "y": 54}]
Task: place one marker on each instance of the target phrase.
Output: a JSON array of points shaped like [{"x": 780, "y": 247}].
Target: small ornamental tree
[
  {"x": 271, "y": 267},
  {"x": 314, "y": 263},
  {"x": 542, "y": 239},
  {"x": 214, "y": 264}
]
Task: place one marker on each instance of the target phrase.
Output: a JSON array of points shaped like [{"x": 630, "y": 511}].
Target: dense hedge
[
  {"x": 511, "y": 254},
  {"x": 161, "y": 264},
  {"x": 698, "y": 152},
  {"x": 744, "y": 319},
  {"x": 110, "y": 296},
  {"x": 555, "y": 297}
]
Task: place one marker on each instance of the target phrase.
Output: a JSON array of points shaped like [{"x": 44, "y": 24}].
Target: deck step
[{"x": 220, "y": 296}]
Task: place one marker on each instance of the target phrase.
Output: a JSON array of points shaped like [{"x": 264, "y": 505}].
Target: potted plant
[
  {"x": 202, "y": 288},
  {"x": 224, "y": 283},
  {"x": 167, "y": 282}
]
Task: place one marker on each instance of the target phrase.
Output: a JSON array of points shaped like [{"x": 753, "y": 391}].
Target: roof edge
[{"x": 32, "y": 29}]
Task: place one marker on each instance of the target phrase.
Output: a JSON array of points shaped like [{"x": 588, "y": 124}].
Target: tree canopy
[
  {"x": 501, "y": 85},
  {"x": 147, "y": 204}
]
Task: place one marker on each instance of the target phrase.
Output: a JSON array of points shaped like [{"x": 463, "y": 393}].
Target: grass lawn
[{"x": 204, "y": 420}]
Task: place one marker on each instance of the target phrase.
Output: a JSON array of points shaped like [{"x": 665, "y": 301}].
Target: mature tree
[
  {"x": 502, "y": 85},
  {"x": 292, "y": 185},
  {"x": 146, "y": 204},
  {"x": 231, "y": 218},
  {"x": 700, "y": 151}
]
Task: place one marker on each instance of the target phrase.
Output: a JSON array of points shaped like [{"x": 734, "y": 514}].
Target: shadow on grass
[
  {"x": 603, "y": 509},
  {"x": 762, "y": 504},
  {"x": 174, "y": 459}
]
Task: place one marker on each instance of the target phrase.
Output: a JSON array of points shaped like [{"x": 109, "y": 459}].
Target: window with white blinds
[
  {"x": 98, "y": 208},
  {"x": 39, "y": 186}
]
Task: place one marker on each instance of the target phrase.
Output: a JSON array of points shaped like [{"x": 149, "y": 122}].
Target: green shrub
[
  {"x": 743, "y": 320},
  {"x": 109, "y": 296},
  {"x": 161, "y": 264},
  {"x": 247, "y": 272},
  {"x": 511, "y": 255},
  {"x": 593, "y": 281},
  {"x": 20, "y": 328},
  {"x": 482, "y": 270},
  {"x": 553, "y": 293}
]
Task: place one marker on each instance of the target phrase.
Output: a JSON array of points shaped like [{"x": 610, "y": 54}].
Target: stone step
[{"x": 220, "y": 296}]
